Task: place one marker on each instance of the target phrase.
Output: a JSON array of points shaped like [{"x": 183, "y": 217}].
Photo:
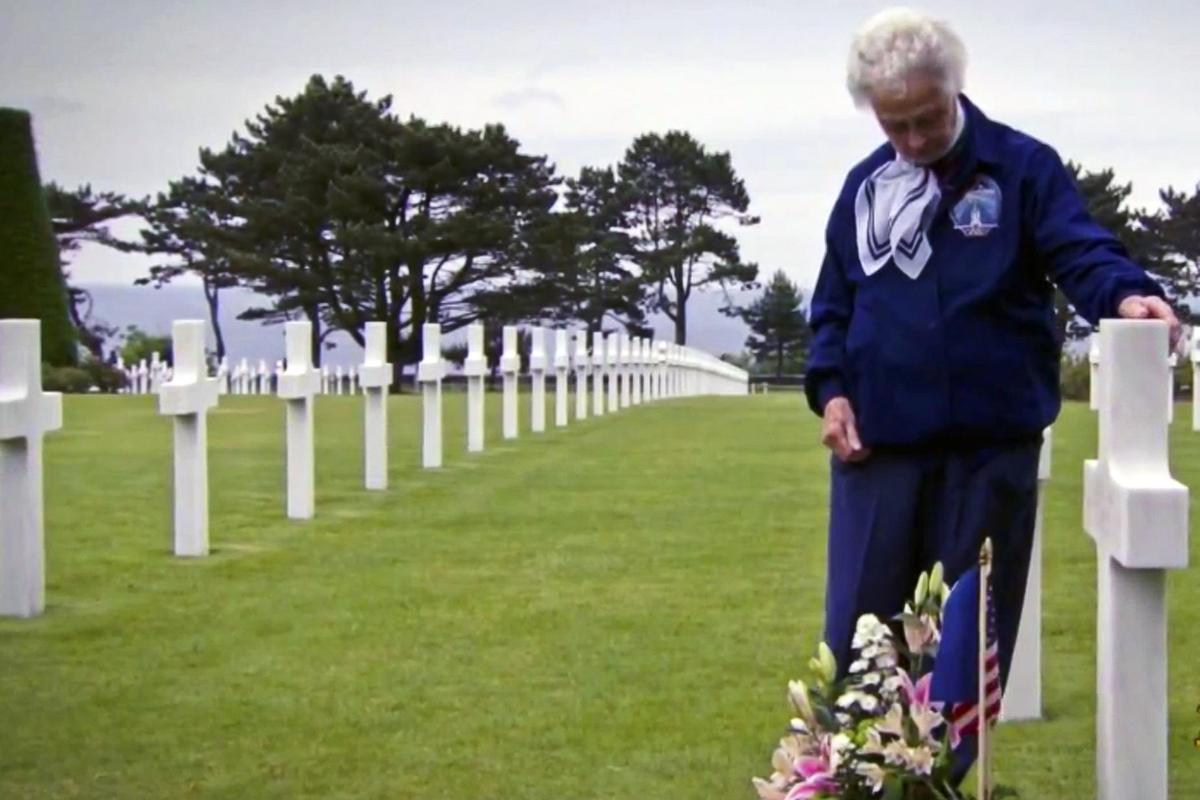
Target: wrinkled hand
[
  {"x": 840, "y": 433},
  {"x": 1139, "y": 307}
]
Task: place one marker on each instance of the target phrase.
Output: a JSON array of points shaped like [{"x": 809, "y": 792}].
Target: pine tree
[
  {"x": 31, "y": 281},
  {"x": 779, "y": 331},
  {"x": 1172, "y": 239},
  {"x": 575, "y": 265},
  {"x": 676, "y": 196}
]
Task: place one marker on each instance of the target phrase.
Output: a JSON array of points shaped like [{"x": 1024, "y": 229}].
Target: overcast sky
[{"x": 124, "y": 93}]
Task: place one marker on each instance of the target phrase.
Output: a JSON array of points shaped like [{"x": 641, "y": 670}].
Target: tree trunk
[
  {"x": 87, "y": 337},
  {"x": 394, "y": 347},
  {"x": 314, "y": 316},
  {"x": 212, "y": 297},
  {"x": 681, "y": 322}
]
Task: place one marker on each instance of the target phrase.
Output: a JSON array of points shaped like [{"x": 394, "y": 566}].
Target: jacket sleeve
[
  {"x": 829, "y": 317},
  {"x": 1082, "y": 257}
]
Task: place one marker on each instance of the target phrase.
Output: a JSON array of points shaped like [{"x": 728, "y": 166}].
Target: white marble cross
[
  {"x": 375, "y": 376},
  {"x": 562, "y": 365},
  {"x": 1023, "y": 695},
  {"x": 626, "y": 369},
  {"x": 430, "y": 372},
  {"x": 599, "y": 370},
  {"x": 660, "y": 370},
  {"x": 637, "y": 370},
  {"x": 143, "y": 377},
  {"x": 337, "y": 380},
  {"x": 652, "y": 369},
  {"x": 354, "y": 380},
  {"x": 581, "y": 375},
  {"x": 26, "y": 415},
  {"x": 1196, "y": 379},
  {"x": 297, "y": 385},
  {"x": 660, "y": 382},
  {"x": 537, "y": 373},
  {"x": 632, "y": 369},
  {"x": 685, "y": 372},
  {"x": 613, "y": 363},
  {"x": 156, "y": 368},
  {"x": 1138, "y": 516},
  {"x": 223, "y": 376},
  {"x": 264, "y": 377},
  {"x": 187, "y": 397},
  {"x": 648, "y": 366},
  {"x": 243, "y": 375},
  {"x": 641, "y": 386},
  {"x": 691, "y": 381},
  {"x": 475, "y": 368},
  {"x": 510, "y": 366},
  {"x": 1171, "y": 364},
  {"x": 1094, "y": 371},
  {"x": 686, "y": 375},
  {"x": 670, "y": 373}
]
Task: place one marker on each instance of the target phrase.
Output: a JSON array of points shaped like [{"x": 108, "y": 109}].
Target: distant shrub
[
  {"x": 81, "y": 379},
  {"x": 71, "y": 380},
  {"x": 1075, "y": 377}
]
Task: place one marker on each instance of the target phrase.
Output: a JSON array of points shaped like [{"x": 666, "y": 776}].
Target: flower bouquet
[{"x": 875, "y": 733}]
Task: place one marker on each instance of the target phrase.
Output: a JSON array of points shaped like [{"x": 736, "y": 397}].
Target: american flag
[{"x": 964, "y": 717}]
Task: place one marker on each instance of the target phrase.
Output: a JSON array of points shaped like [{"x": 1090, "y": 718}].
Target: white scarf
[{"x": 891, "y": 212}]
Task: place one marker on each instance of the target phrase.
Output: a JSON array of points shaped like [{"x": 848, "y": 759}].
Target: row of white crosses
[
  {"x": 623, "y": 371},
  {"x": 189, "y": 396},
  {"x": 643, "y": 370},
  {"x": 244, "y": 378},
  {"x": 145, "y": 377}
]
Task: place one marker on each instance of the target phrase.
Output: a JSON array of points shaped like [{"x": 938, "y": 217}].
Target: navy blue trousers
[{"x": 894, "y": 515}]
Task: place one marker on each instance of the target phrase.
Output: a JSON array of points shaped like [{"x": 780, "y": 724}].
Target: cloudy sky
[{"x": 124, "y": 93}]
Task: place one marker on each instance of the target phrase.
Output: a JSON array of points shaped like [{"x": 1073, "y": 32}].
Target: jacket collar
[{"x": 983, "y": 133}]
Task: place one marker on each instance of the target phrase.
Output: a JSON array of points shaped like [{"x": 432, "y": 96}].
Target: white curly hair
[{"x": 897, "y": 42}]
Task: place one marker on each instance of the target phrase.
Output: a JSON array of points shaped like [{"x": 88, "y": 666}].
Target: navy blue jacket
[{"x": 967, "y": 352}]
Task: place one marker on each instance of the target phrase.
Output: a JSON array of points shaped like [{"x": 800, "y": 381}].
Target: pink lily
[
  {"x": 925, "y": 713},
  {"x": 817, "y": 772}
]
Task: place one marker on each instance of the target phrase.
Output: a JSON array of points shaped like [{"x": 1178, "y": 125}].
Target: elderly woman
[{"x": 935, "y": 358}]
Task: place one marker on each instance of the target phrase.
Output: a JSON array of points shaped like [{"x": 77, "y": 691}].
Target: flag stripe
[{"x": 964, "y": 717}]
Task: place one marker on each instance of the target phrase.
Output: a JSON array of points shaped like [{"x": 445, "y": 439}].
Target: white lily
[
  {"x": 768, "y": 790},
  {"x": 920, "y": 760},
  {"x": 782, "y": 761},
  {"x": 798, "y": 694},
  {"x": 873, "y": 774},
  {"x": 893, "y": 721}
]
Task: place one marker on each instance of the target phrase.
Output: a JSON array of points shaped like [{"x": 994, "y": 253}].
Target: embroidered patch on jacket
[{"x": 978, "y": 212}]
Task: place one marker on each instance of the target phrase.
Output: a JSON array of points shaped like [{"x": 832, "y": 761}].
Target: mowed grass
[{"x": 607, "y": 611}]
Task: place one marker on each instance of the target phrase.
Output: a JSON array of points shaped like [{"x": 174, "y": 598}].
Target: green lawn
[{"x": 609, "y": 611}]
